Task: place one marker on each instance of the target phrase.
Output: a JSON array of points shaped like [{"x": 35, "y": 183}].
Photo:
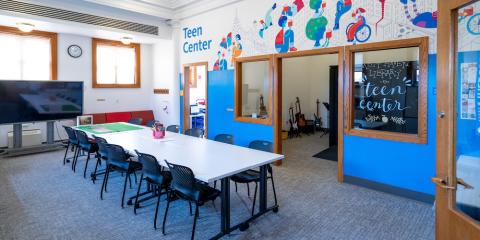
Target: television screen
[{"x": 33, "y": 101}]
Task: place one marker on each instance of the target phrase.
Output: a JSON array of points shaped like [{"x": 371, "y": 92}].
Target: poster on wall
[
  {"x": 386, "y": 96},
  {"x": 468, "y": 77}
]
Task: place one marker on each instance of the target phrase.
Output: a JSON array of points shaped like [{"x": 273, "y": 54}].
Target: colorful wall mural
[{"x": 280, "y": 26}]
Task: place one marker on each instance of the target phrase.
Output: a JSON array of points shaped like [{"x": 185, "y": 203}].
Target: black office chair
[
  {"x": 185, "y": 187},
  {"x": 173, "y": 128},
  {"x": 254, "y": 175},
  {"x": 153, "y": 174},
  {"x": 225, "y": 138},
  {"x": 102, "y": 155},
  {"x": 118, "y": 160},
  {"x": 195, "y": 132},
  {"x": 136, "y": 121},
  {"x": 86, "y": 145},
  {"x": 72, "y": 142},
  {"x": 150, "y": 123}
]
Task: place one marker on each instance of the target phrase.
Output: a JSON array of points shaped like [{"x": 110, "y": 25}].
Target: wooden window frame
[
  {"x": 238, "y": 90},
  {"x": 41, "y": 34},
  {"x": 136, "y": 46},
  {"x": 421, "y": 136}
]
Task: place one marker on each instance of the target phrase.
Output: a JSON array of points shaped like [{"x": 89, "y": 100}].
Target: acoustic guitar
[
  {"x": 299, "y": 116},
  {"x": 263, "y": 108}
]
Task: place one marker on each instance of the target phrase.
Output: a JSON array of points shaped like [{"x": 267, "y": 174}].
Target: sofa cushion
[
  {"x": 98, "y": 118},
  {"x": 146, "y": 116},
  {"x": 118, "y": 117}
]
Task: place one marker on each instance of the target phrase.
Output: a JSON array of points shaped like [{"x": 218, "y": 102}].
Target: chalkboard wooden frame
[{"x": 421, "y": 136}]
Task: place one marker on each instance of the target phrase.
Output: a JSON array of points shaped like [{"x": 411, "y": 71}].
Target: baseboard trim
[{"x": 418, "y": 196}]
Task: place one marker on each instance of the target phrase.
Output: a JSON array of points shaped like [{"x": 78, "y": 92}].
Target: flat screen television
[{"x": 35, "y": 101}]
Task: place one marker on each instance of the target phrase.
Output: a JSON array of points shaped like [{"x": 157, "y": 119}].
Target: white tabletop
[{"x": 209, "y": 160}]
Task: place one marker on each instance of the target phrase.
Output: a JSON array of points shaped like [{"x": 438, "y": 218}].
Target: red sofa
[{"x": 99, "y": 118}]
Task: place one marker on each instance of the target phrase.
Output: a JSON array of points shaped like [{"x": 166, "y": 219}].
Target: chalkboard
[{"x": 386, "y": 96}]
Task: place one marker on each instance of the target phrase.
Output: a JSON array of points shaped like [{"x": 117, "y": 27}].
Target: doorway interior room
[
  {"x": 309, "y": 105},
  {"x": 195, "y": 92}
]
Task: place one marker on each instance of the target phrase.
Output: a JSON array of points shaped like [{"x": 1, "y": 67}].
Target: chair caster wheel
[
  {"x": 275, "y": 209},
  {"x": 129, "y": 202},
  {"x": 244, "y": 227}
]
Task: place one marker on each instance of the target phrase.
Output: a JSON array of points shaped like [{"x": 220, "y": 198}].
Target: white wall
[
  {"x": 307, "y": 78},
  {"x": 156, "y": 71}
]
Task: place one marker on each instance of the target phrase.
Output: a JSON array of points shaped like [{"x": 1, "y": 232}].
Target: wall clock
[{"x": 74, "y": 51}]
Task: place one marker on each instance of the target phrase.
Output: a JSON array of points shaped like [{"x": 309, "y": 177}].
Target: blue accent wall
[
  {"x": 221, "y": 98},
  {"x": 404, "y": 165}
]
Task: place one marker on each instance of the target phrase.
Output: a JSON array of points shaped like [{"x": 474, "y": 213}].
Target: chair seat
[
  {"x": 164, "y": 179},
  {"x": 246, "y": 176},
  {"x": 206, "y": 193}
]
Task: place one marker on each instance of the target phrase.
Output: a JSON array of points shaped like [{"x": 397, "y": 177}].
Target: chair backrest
[
  {"x": 136, "y": 121},
  {"x": 83, "y": 139},
  {"x": 102, "y": 147},
  {"x": 72, "y": 137},
  {"x": 265, "y": 146},
  {"x": 261, "y": 145},
  {"x": 194, "y": 132},
  {"x": 225, "y": 138},
  {"x": 150, "y": 123},
  {"x": 150, "y": 166},
  {"x": 183, "y": 181},
  {"x": 173, "y": 128},
  {"x": 117, "y": 156}
]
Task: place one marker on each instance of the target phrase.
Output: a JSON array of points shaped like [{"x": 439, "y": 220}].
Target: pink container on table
[{"x": 159, "y": 134}]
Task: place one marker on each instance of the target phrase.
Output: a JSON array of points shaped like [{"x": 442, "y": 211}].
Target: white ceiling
[{"x": 165, "y": 9}]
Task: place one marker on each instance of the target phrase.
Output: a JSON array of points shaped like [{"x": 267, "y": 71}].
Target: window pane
[
  {"x": 386, "y": 90},
  {"x": 255, "y": 89},
  {"x": 36, "y": 59},
  {"x": 125, "y": 66},
  {"x": 10, "y": 57},
  {"x": 106, "y": 65}
]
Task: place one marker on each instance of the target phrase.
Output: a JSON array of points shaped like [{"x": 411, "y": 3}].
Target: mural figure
[
  {"x": 423, "y": 20},
  {"x": 221, "y": 63},
  {"x": 382, "y": 16},
  {"x": 343, "y": 6},
  {"x": 317, "y": 25},
  {"x": 268, "y": 21},
  {"x": 359, "y": 31},
  {"x": 285, "y": 39},
  {"x": 473, "y": 22},
  {"x": 237, "y": 48}
]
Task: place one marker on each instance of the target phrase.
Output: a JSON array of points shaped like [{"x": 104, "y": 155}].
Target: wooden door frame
[
  {"x": 448, "y": 221},
  {"x": 186, "y": 95},
  {"x": 277, "y": 103}
]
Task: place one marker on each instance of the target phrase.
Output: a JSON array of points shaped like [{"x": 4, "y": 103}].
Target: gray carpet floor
[{"x": 42, "y": 199}]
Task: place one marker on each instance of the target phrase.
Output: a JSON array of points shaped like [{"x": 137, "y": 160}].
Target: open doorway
[
  {"x": 195, "y": 94},
  {"x": 307, "y": 98}
]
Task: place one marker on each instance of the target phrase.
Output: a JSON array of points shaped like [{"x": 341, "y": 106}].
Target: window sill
[
  {"x": 384, "y": 135},
  {"x": 116, "y": 86},
  {"x": 263, "y": 121}
]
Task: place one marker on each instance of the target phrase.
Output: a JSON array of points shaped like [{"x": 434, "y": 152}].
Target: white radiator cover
[{"x": 30, "y": 137}]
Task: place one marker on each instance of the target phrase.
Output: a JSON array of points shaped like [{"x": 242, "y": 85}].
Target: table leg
[
  {"x": 263, "y": 189},
  {"x": 225, "y": 197}
]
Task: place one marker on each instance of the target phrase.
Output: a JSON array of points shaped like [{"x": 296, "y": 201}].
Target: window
[
  {"x": 388, "y": 90},
  {"x": 27, "y": 56},
  {"x": 253, "y": 89},
  {"x": 115, "y": 65}
]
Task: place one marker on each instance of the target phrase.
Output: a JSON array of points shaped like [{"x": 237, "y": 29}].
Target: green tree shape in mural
[{"x": 317, "y": 25}]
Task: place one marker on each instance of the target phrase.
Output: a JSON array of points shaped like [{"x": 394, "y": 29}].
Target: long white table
[{"x": 209, "y": 161}]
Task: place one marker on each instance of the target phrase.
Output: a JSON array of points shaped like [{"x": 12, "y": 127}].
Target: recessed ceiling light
[
  {"x": 126, "y": 40},
  {"x": 25, "y": 27}
]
